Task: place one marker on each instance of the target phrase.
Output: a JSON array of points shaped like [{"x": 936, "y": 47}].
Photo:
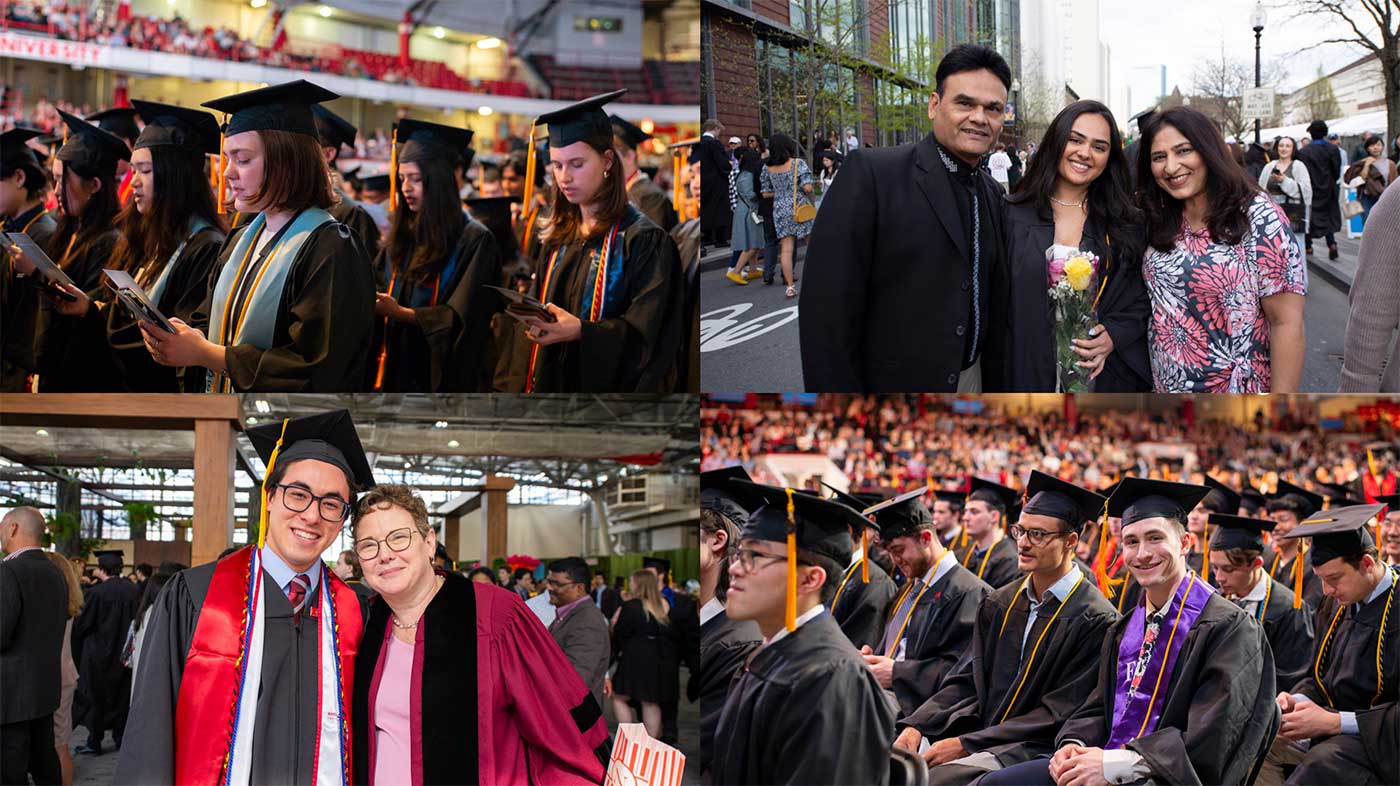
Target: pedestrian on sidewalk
[
  {"x": 1376, "y": 173},
  {"x": 1375, "y": 305},
  {"x": 1286, "y": 180},
  {"x": 714, "y": 185},
  {"x": 776, "y": 181},
  {"x": 746, "y": 238},
  {"x": 1324, "y": 163},
  {"x": 999, "y": 164}
]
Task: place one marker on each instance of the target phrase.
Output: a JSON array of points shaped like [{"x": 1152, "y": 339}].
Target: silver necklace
[
  {"x": 1080, "y": 203},
  {"x": 402, "y": 626}
]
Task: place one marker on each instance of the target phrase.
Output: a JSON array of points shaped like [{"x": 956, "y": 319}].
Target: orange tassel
[
  {"x": 864, "y": 560},
  {"x": 1298, "y": 578},
  {"x": 677, "y": 190},
  {"x": 790, "y": 613},
  {"x": 529, "y": 195},
  {"x": 223, "y": 163},
  {"x": 394, "y": 170},
  {"x": 1205, "y": 554}
]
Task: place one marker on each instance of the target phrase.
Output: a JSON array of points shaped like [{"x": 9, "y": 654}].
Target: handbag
[
  {"x": 1292, "y": 207},
  {"x": 801, "y": 213}
]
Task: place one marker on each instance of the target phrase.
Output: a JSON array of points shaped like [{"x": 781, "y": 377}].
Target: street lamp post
[{"x": 1257, "y": 20}]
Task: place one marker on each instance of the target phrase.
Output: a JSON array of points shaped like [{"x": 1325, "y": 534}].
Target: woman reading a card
[
  {"x": 457, "y": 681},
  {"x": 433, "y": 326},
  {"x": 170, "y": 238},
  {"x": 608, "y": 275}
]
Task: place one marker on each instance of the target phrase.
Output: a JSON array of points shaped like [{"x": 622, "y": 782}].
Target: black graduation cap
[
  {"x": 375, "y": 183},
  {"x": 167, "y": 125},
  {"x": 91, "y": 148},
  {"x": 1137, "y": 498},
  {"x": 995, "y": 494},
  {"x": 716, "y": 493},
  {"x": 1340, "y": 532},
  {"x": 1238, "y": 532},
  {"x": 1050, "y": 496},
  {"x": 284, "y": 107},
  {"x": 1340, "y": 495},
  {"x": 350, "y": 174},
  {"x": 1143, "y": 116},
  {"x": 1231, "y": 498},
  {"x": 950, "y": 496},
  {"x": 822, "y": 525},
  {"x": 14, "y": 149},
  {"x": 629, "y": 134},
  {"x": 119, "y": 121},
  {"x": 855, "y": 501},
  {"x": 662, "y": 566},
  {"x": 332, "y": 129},
  {"x": 326, "y": 436},
  {"x": 901, "y": 515},
  {"x": 423, "y": 140},
  {"x": 583, "y": 120},
  {"x": 1284, "y": 487},
  {"x": 1391, "y": 501}
]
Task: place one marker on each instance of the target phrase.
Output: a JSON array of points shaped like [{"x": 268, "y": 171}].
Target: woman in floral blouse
[{"x": 1225, "y": 277}]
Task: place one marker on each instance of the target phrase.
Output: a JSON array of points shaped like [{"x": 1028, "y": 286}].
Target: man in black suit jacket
[
  {"x": 715, "y": 213},
  {"x": 33, "y": 615},
  {"x": 604, "y": 597},
  {"x": 898, "y": 265}
]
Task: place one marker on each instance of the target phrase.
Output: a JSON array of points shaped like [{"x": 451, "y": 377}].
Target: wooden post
[
  {"x": 213, "y": 490},
  {"x": 495, "y": 523},
  {"x": 452, "y": 536}
]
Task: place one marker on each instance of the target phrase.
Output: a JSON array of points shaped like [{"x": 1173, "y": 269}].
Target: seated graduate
[
  {"x": 1289, "y": 505},
  {"x": 455, "y": 680},
  {"x": 171, "y": 234},
  {"x": 929, "y": 625},
  {"x": 434, "y": 328},
  {"x": 989, "y": 554},
  {"x": 291, "y": 298},
  {"x": 1339, "y": 720},
  {"x": 725, "y": 643},
  {"x": 1035, "y": 650},
  {"x": 1195, "y": 710},
  {"x": 85, "y": 177},
  {"x": 1236, "y": 554},
  {"x": 24, "y": 186},
  {"x": 608, "y": 274},
  {"x": 863, "y": 597},
  {"x": 1221, "y": 499},
  {"x": 246, "y": 663},
  {"x": 805, "y": 710}
]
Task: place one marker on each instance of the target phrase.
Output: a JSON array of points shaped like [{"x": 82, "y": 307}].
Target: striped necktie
[{"x": 296, "y": 591}]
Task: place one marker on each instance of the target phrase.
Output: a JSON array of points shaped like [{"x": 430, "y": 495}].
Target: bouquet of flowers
[{"x": 1073, "y": 286}]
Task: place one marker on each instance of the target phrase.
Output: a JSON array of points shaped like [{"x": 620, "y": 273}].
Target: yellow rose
[{"x": 1078, "y": 271}]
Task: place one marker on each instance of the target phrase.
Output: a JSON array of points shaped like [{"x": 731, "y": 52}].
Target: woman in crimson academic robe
[{"x": 457, "y": 681}]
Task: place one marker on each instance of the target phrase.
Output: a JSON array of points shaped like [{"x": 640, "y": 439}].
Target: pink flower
[{"x": 1055, "y": 268}]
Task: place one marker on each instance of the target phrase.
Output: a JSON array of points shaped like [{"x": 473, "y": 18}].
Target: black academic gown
[
  {"x": 860, "y": 608},
  {"x": 652, "y": 201},
  {"x": 1218, "y": 708},
  {"x": 1290, "y": 634},
  {"x": 284, "y": 734},
  {"x": 350, "y": 213},
  {"x": 1282, "y": 572},
  {"x": 449, "y": 349},
  {"x": 938, "y": 633},
  {"x": 1021, "y": 353},
  {"x": 724, "y": 646},
  {"x": 1324, "y": 163},
  {"x": 805, "y": 710},
  {"x": 99, "y": 632},
  {"x": 634, "y": 351},
  {"x": 997, "y": 567},
  {"x": 108, "y": 343},
  {"x": 19, "y": 302},
  {"x": 91, "y": 253},
  {"x": 324, "y": 323},
  {"x": 991, "y": 702}
]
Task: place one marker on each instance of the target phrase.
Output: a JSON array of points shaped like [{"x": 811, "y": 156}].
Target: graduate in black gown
[
  {"x": 291, "y": 297},
  {"x": 81, "y": 244},
  {"x": 863, "y": 597},
  {"x": 1221, "y": 500},
  {"x": 610, "y": 277},
  {"x": 989, "y": 554},
  {"x": 170, "y": 238},
  {"x": 104, "y": 688},
  {"x": 310, "y": 626},
  {"x": 642, "y": 192},
  {"x": 335, "y": 132},
  {"x": 1344, "y": 706},
  {"x": 433, "y": 326},
  {"x": 24, "y": 185},
  {"x": 724, "y": 643},
  {"x": 1185, "y": 683},
  {"x": 1289, "y": 505},
  {"x": 804, "y": 709},
  {"x": 1237, "y": 563},
  {"x": 1029, "y": 666},
  {"x": 929, "y": 624}
]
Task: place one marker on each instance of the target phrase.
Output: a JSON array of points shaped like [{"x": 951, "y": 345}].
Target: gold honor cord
[
  {"x": 1031, "y": 662},
  {"x": 894, "y": 645},
  {"x": 851, "y": 571}
]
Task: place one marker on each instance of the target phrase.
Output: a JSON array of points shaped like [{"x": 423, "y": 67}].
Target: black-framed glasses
[
  {"x": 1037, "y": 537},
  {"x": 746, "y": 558},
  {"x": 552, "y": 584},
  {"x": 298, "y": 499},
  {"x": 398, "y": 540}
]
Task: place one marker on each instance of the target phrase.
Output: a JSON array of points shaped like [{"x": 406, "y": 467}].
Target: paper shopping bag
[{"x": 639, "y": 760}]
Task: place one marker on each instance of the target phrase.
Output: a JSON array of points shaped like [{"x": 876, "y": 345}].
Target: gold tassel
[
  {"x": 1205, "y": 554},
  {"x": 223, "y": 163},
  {"x": 864, "y": 560},
  {"x": 394, "y": 170},
  {"x": 271, "y": 462},
  {"x": 525, "y": 200},
  {"x": 790, "y": 613},
  {"x": 1298, "y": 578},
  {"x": 1371, "y": 463},
  {"x": 677, "y": 190}
]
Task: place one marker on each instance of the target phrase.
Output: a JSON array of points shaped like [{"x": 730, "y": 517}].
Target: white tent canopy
[{"x": 1355, "y": 125}]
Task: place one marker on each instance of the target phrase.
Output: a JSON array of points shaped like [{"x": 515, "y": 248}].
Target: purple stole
[{"x": 1138, "y": 708}]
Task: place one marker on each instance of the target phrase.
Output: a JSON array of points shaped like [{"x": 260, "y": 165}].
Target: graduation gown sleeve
[
  {"x": 349, "y": 212},
  {"x": 1380, "y": 737},
  {"x": 1290, "y": 635},
  {"x": 461, "y": 347},
  {"x": 724, "y": 646},
  {"x": 148, "y": 749},
  {"x": 323, "y": 327},
  {"x": 651, "y": 200}
]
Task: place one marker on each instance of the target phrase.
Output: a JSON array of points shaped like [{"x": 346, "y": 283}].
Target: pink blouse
[{"x": 393, "y": 742}]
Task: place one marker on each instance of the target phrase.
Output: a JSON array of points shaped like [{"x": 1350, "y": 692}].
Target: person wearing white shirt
[{"x": 999, "y": 164}]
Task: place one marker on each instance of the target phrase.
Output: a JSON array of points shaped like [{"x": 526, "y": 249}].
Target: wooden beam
[
  {"x": 161, "y": 411},
  {"x": 452, "y": 537},
  {"x": 495, "y": 521},
  {"x": 213, "y": 489}
]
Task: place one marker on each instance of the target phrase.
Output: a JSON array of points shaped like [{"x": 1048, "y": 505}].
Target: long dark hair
[
  {"x": 1109, "y": 198},
  {"x": 1229, "y": 190},
  {"x": 419, "y": 243},
  {"x": 750, "y": 162},
  {"x": 96, "y": 219},
  {"x": 780, "y": 149},
  {"x": 182, "y": 192}
]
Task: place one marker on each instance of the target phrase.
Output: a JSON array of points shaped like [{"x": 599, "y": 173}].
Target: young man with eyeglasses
[
  {"x": 1034, "y": 654},
  {"x": 579, "y": 627},
  {"x": 804, "y": 709},
  {"x": 247, "y": 662},
  {"x": 1185, "y": 684}
]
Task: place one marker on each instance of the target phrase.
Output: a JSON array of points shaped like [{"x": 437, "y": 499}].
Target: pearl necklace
[{"x": 1080, "y": 203}]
